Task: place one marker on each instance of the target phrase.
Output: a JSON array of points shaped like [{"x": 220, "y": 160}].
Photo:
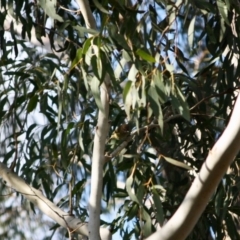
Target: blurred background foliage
[{"x": 174, "y": 69}]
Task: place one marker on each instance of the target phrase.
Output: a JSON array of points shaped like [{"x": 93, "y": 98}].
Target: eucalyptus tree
[{"x": 110, "y": 109}]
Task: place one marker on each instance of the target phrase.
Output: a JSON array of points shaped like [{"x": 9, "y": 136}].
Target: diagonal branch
[
  {"x": 204, "y": 185},
  {"x": 35, "y": 196}
]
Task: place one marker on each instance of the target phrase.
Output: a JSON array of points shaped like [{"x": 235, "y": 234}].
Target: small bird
[{"x": 121, "y": 132}]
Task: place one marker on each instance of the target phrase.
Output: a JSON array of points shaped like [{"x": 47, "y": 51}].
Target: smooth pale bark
[
  {"x": 98, "y": 159},
  {"x": 101, "y": 133},
  {"x": 204, "y": 185},
  {"x": 87, "y": 14},
  {"x": 65, "y": 220}
]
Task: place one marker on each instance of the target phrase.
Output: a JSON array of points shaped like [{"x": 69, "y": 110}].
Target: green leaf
[
  {"x": 191, "y": 32},
  {"x": 30, "y": 129},
  {"x": 147, "y": 227},
  {"x": 223, "y": 10},
  {"x": 95, "y": 89},
  {"x": 232, "y": 228},
  {"x": 126, "y": 90},
  {"x": 103, "y": 66},
  {"x": 126, "y": 56},
  {"x": 78, "y": 188},
  {"x": 94, "y": 63},
  {"x": 119, "y": 69},
  {"x": 86, "y": 45},
  {"x": 82, "y": 31},
  {"x": 128, "y": 104},
  {"x": 155, "y": 105},
  {"x": 181, "y": 65},
  {"x": 177, "y": 163},
  {"x": 132, "y": 73},
  {"x": 140, "y": 193},
  {"x": 69, "y": 127},
  {"x": 143, "y": 99},
  {"x": 50, "y": 8},
  {"x": 9, "y": 155},
  {"x": 120, "y": 195},
  {"x": 77, "y": 59},
  {"x": 60, "y": 106},
  {"x": 14, "y": 39},
  {"x": 32, "y": 103},
  {"x": 180, "y": 103},
  {"x": 158, "y": 207},
  {"x": 160, "y": 87},
  {"x": 100, "y": 7},
  {"x": 145, "y": 56},
  {"x": 130, "y": 190},
  {"x": 205, "y": 6},
  {"x": 133, "y": 211},
  {"x": 117, "y": 39}
]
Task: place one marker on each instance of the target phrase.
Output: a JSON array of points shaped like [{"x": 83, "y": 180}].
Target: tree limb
[
  {"x": 35, "y": 196},
  {"x": 101, "y": 134},
  {"x": 87, "y": 14},
  {"x": 204, "y": 185}
]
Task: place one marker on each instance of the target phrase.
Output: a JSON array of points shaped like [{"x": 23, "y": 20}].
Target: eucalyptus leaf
[
  {"x": 32, "y": 104},
  {"x": 50, "y": 8},
  {"x": 191, "y": 32},
  {"x": 177, "y": 163},
  {"x": 95, "y": 89},
  {"x": 158, "y": 206},
  {"x": 144, "y": 55},
  {"x": 130, "y": 190}
]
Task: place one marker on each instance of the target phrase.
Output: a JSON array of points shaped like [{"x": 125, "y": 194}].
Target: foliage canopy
[{"x": 173, "y": 77}]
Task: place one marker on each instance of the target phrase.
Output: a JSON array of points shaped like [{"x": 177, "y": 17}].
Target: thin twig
[{"x": 230, "y": 91}]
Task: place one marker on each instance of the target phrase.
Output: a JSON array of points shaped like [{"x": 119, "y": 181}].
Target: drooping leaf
[
  {"x": 177, "y": 163},
  {"x": 158, "y": 206},
  {"x": 160, "y": 87},
  {"x": 82, "y": 30},
  {"x": 100, "y": 6},
  {"x": 50, "y": 8},
  {"x": 118, "y": 39},
  {"x": 130, "y": 190},
  {"x": 180, "y": 103},
  {"x": 126, "y": 90},
  {"x": 144, "y": 55},
  {"x": 32, "y": 103},
  {"x": 77, "y": 58},
  {"x": 147, "y": 227},
  {"x": 95, "y": 89},
  {"x": 30, "y": 129},
  {"x": 191, "y": 32},
  {"x": 223, "y": 10},
  {"x": 155, "y": 105}
]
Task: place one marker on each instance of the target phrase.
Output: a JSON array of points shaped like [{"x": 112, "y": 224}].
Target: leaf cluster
[{"x": 170, "y": 83}]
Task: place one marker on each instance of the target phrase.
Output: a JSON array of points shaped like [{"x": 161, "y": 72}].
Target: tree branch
[
  {"x": 101, "y": 134},
  {"x": 87, "y": 14},
  {"x": 204, "y": 185},
  {"x": 35, "y": 196},
  {"x": 121, "y": 146}
]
